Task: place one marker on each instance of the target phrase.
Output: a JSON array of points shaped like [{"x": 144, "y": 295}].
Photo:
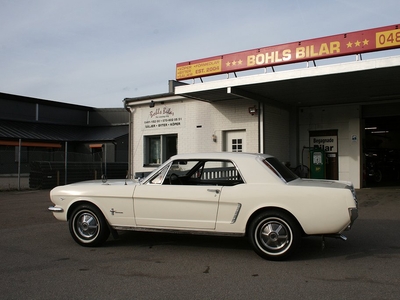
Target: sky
[{"x": 97, "y": 53}]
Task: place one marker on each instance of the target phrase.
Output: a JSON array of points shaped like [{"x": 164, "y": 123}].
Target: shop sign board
[
  {"x": 357, "y": 42},
  {"x": 326, "y": 143},
  {"x": 163, "y": 117}
]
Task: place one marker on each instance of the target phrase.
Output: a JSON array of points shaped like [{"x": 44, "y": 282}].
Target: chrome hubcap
[
  {"x": 274, "y": 235},
  {"x": 87, "y": 225}
]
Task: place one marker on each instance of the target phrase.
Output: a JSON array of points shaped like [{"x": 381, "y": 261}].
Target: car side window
[
  {"x": 181, "y": 171},
  {"x": 203, "y": 172},
  {"x": 221, "y": 173}
]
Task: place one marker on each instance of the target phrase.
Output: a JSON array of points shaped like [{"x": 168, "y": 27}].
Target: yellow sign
[
  {"x": 199, "y": 69},
  {"x": 388, "y": 38}
]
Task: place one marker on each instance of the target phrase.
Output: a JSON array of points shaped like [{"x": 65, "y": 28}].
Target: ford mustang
[{"x": 236, "y": 194}]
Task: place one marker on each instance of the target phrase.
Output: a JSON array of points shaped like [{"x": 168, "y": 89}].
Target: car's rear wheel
[
  {"x": 274, "y": 235},
  {"x": 88, "y": 226}
]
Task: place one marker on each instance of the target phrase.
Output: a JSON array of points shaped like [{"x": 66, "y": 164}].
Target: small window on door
[{"x": 237, "y": 145}]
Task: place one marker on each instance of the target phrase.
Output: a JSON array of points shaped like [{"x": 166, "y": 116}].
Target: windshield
[{"x": 280, "y": 169}]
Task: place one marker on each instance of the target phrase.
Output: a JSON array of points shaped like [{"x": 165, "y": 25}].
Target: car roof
[{"x": 219, "y": 155}]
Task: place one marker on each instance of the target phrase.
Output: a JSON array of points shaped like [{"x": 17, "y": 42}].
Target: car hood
[
  {"x": 321, "y": 183},
  {"x": 108, "y": 182}
]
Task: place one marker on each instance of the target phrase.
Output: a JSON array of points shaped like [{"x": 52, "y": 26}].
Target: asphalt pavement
[{"x": 39, "y": 260}]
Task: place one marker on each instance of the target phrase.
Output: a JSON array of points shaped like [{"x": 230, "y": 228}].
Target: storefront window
[
  {"x": 154, "y": 150},
  {"x": 159, "y": 148}
]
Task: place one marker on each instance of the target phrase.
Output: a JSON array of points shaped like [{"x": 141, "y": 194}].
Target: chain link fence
[{"x": 27, "y": 169}]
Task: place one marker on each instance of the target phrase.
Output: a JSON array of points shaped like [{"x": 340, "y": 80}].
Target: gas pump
[{"x": 317, "y": 163}]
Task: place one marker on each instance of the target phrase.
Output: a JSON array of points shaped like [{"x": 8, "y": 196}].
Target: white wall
[
  {"x": 344, "y": 118},
  {"x": 199, "y": 122}
]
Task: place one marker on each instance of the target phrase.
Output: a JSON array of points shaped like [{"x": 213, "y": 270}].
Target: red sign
[{"x": 376, "y": 39}]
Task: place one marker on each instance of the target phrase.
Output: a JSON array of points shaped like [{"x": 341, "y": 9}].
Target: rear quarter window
[{"x": 280, "y": 169}]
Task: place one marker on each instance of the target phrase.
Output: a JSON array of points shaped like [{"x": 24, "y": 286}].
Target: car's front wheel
[
  {"x": 274, "y": 235},
  {"x": 88, "y": 226}
]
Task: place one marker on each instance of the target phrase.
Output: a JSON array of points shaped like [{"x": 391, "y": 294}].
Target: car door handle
[{"x": 213, "y": 191}]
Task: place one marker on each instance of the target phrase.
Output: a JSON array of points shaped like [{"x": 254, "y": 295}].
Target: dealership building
[{"x": 321, "y": 104}]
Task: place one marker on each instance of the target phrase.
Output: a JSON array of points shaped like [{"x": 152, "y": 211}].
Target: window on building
[
  {"x": 159, "y": 148},
  {"x": 237, "y": 145},
  {"x": 97, "y": 152}
]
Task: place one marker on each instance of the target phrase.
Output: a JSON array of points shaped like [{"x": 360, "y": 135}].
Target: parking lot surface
[{"x": 39, "y": 260}]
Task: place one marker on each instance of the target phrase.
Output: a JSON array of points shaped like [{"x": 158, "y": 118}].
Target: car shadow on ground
[
  {"x": 359, "y": 244},
  {"x": 152, "y": 239}
]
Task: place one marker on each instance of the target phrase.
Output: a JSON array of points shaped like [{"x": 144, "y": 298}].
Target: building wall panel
[{"x": 199, "y": 122}]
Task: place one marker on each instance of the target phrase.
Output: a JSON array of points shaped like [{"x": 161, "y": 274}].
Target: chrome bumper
[{"x": 55, "y": 209}]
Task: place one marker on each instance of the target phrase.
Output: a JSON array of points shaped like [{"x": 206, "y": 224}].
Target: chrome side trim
[
  {"x": 239, "y": 206},
  {"x": 55, "y": 209},
  {"x": 183, "y": 231}
]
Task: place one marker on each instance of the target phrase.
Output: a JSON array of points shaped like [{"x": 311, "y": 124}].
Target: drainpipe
[{"x": 130, "y": 139}]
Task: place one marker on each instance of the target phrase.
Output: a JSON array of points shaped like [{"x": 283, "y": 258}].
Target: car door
[
  {"x": 184, "y": 194},
  {"x": 161, "y": 203},
  {"x": 179, "y": 206}
]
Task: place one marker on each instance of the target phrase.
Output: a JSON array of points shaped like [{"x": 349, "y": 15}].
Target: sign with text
[
  {"x": 326, "y": 143},
  {"x": 357, "y": 42},
  {"x": 163, "y": 117}
]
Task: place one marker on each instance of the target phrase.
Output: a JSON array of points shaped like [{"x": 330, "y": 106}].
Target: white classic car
[{"x": 211, "y": 193}]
